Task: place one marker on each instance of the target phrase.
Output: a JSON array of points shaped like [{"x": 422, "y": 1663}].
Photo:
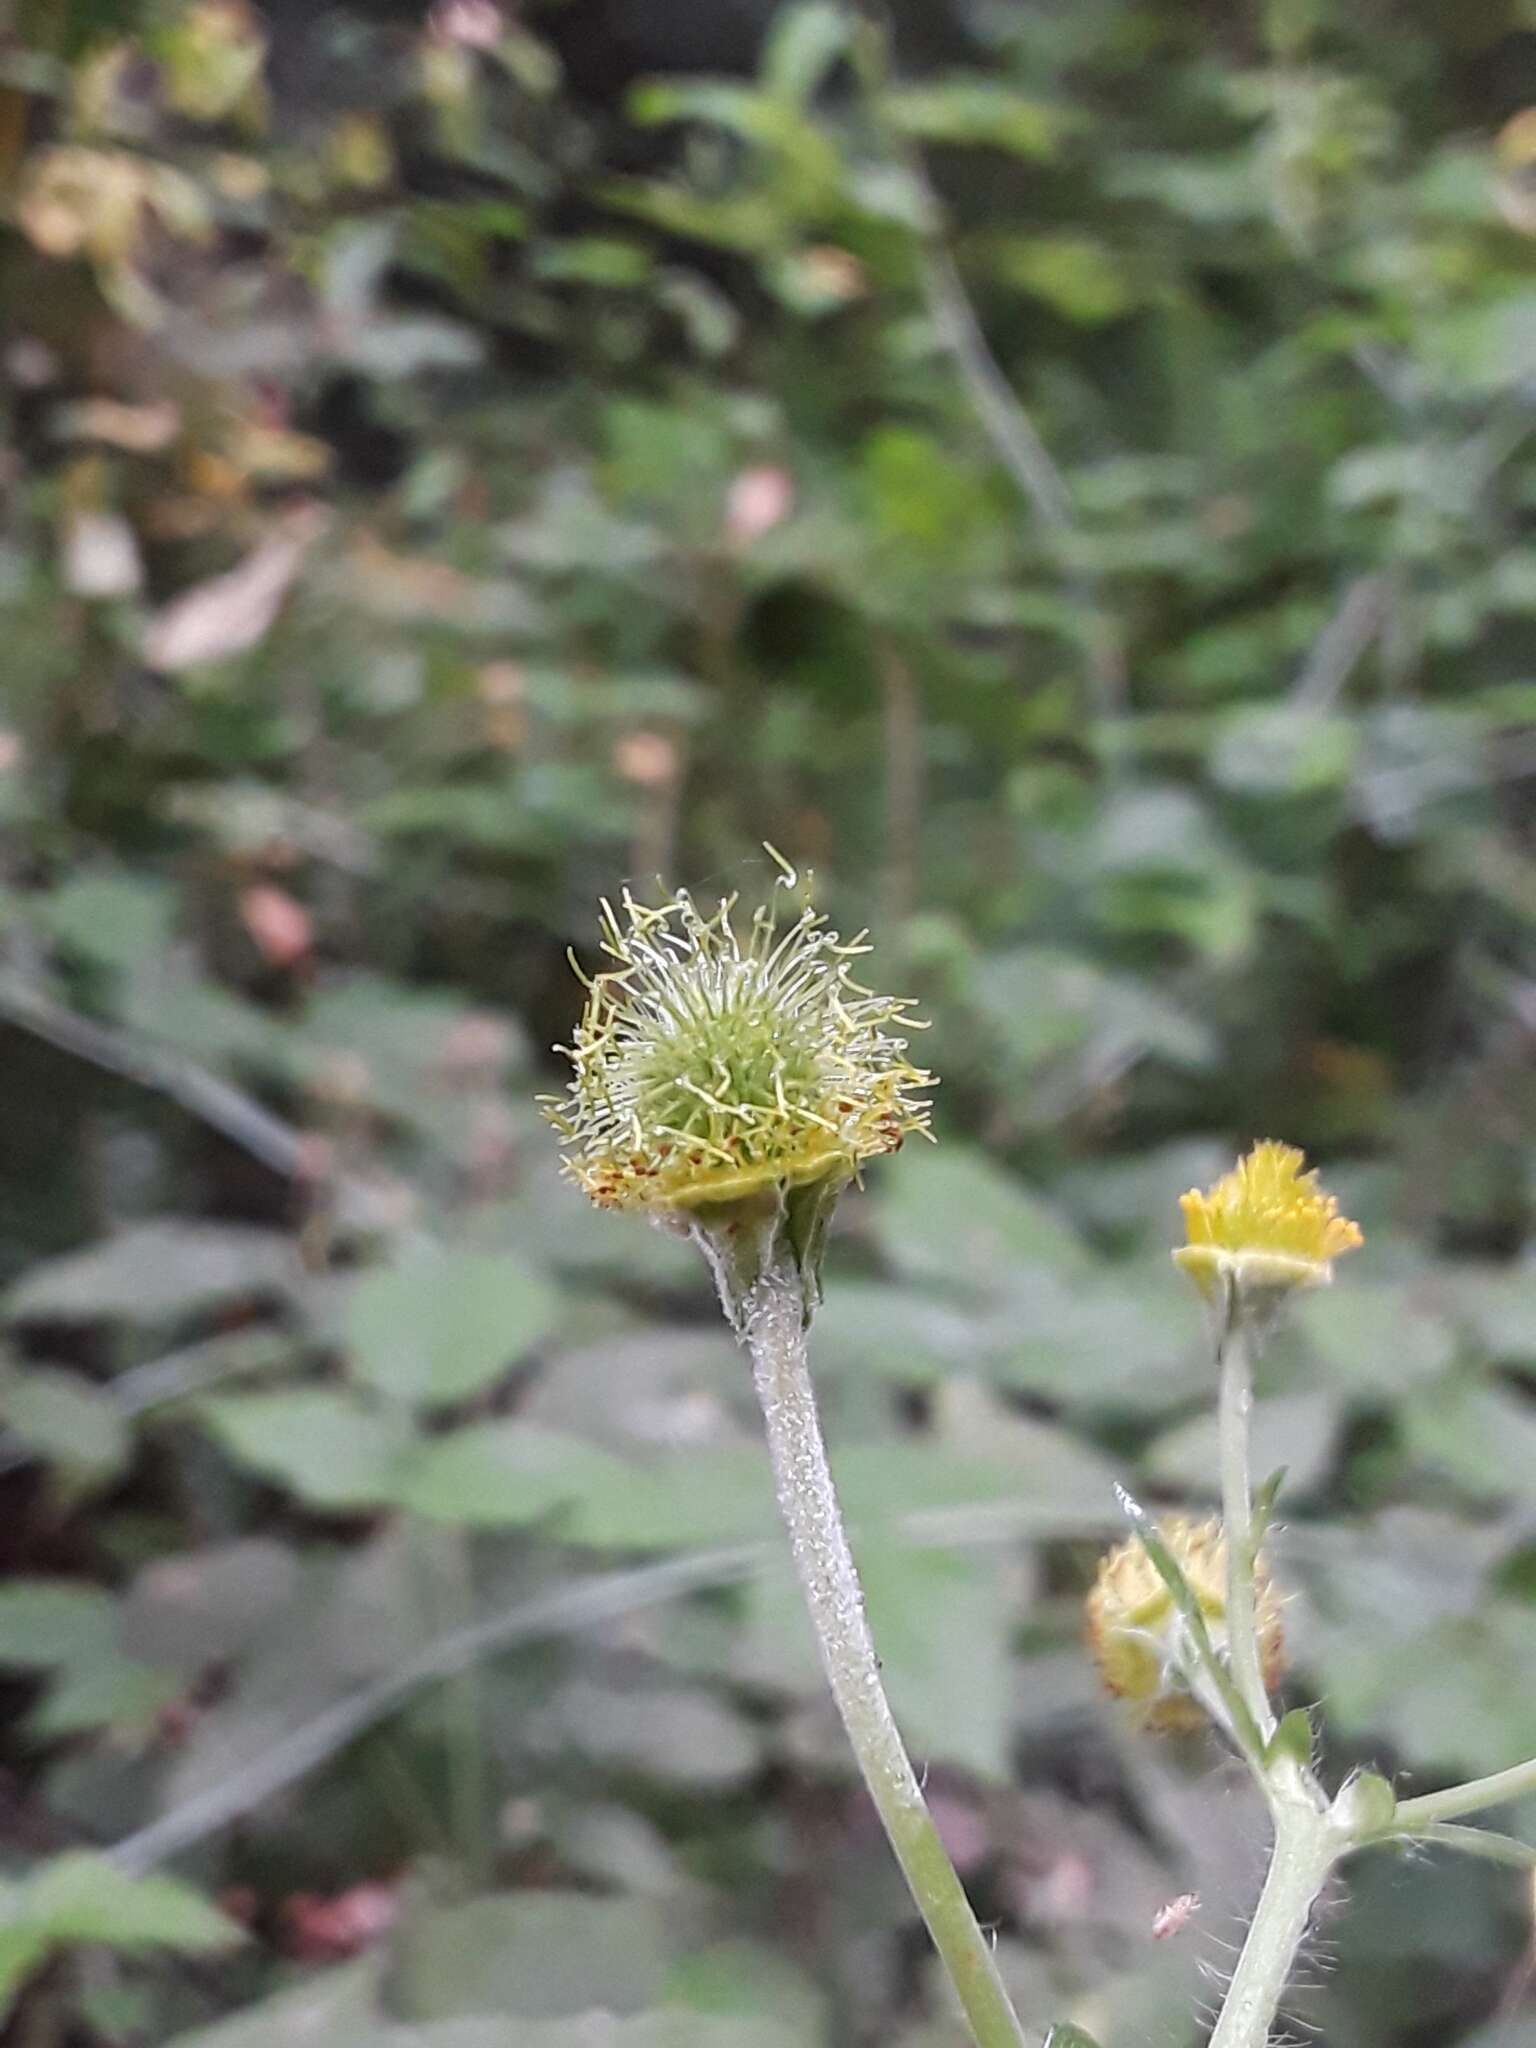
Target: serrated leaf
[{"x": 439, "y": 1327}]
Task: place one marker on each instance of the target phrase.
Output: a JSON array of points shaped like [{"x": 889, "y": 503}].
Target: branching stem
[
  {"x": 1518, "y": 1782},
  {"x": 1304, "y": 1852}
]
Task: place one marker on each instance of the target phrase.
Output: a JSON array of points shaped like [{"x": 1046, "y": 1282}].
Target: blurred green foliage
[{"x": 1065, "y": 475}]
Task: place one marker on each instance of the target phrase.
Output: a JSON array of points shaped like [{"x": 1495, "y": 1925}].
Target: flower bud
[{"x": 1140, "y": 1641}]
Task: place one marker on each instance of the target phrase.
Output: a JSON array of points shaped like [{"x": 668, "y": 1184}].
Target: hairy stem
[
  {"x": 1518, "y": 1782},
  {"x": 1235, "y": 1407},
  {"x": 1304, "y": 1852},
  {"x": 774, "y": 1330}
]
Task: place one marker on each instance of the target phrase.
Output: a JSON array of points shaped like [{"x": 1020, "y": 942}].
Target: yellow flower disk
[
  {"x": 713, "y": 1063},
  {"x": 1136, "y": 1633},
  {"x": 1267, "y": 1223}
]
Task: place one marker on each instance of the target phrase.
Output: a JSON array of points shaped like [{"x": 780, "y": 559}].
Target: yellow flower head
[
  {"x": 1138, "y": 1637},
  {"x": 1266, "y": 1224},
  {"x": 714, "y": 1063}
]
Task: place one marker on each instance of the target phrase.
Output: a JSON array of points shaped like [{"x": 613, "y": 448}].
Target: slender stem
[
  {"x": 773, "y": 1322},
  {"x": 1304, "y": 1851},
  {"x": 1235, "y": 1408},
  {"x": 1515, "y": 1783}
]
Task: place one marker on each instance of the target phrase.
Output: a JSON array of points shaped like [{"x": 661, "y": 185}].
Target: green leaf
[
  {"x": 941, "y": 1623},
  {"x": 1285, "y": 750},
  {"x": 50, "y": 1622},
  {"x": 1295, "y": 1432},
  {"x": 539, "y": 1954},
  {"x": 84, "y": 1897},
  {"x": 1375, "y": 1338},
  {"x": 680, "y": 1498},
  {"x": 23, "y": 1948},
  {"x": 325, "y": 1446},
  {"x": 113, "y": 1692},
  {"x": 117, "y": 920},
  {"x": 667, "y": 1735},
  {"x": 868, "y": 1330},
  {"x": 1482, "y": 1437},
  {"x": 69, "y": 1422},
  {"x": 952, "y": 1219},
  {"x": 1065, "y": 2035},
  {"x": 338, "y": 2008},
  {"x": 1080, "y": 276},
  {"x": 976, "y": 110},
  {"x": 157, "y": 1274},
  {"x": 72, "y": 1632},
  {"x": 439, "y": 1327},
  {"x": 802, "y": 45},
  {"x": 81, "y": 1897},
  {"x": 342, "y": 2007},
  {"x": 506, "y": 1474}
]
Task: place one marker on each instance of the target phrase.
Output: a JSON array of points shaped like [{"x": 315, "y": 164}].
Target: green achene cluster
[{"x": 712, "y": 1063}]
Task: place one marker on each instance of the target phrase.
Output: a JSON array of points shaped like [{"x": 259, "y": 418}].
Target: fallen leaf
[
  {"x": 100, "y": 557},
  {"x": 232, "y": 613}
]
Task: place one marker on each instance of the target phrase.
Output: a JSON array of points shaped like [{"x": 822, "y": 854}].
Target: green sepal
[
  {"x": 1182, "y": 1594},
  {"x": 807, "y": 1220},
  {"x": 776, "y": 1230},
  {"x": 741, "y": 1240},
  {"x": 1264, "y": 1505},
  {"x": 1366, "y": 1806},
  {"x": 1293, "y": 1739}
]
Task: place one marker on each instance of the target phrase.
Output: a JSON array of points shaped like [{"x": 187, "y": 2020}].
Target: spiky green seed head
[{"x": 724, "y": 1057}]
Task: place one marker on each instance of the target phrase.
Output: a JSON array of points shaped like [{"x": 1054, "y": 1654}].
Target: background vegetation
[{"x": 1067, "y": 474}]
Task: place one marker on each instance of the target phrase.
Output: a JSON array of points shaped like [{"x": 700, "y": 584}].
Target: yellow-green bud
[{"x": 1140, "y": 1641}]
